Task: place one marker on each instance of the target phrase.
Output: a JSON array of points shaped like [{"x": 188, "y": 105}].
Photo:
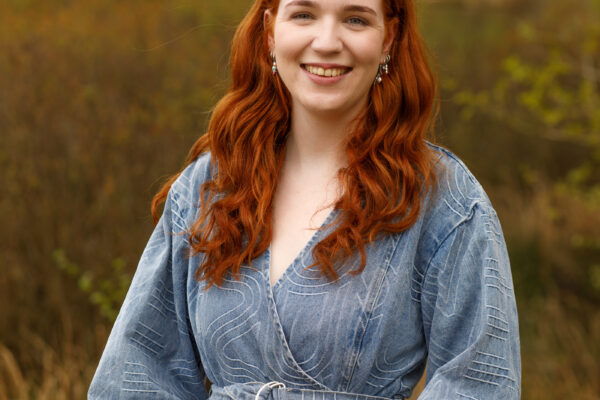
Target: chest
[
  {"x": 298, "y": 212},
  {"x": 306, "y": 329}
]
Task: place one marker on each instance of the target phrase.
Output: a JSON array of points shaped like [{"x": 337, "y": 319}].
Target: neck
[{"x": 316, "y": 143}]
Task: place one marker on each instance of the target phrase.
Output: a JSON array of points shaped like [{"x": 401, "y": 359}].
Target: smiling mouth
[{"x": 326, "y": 72}]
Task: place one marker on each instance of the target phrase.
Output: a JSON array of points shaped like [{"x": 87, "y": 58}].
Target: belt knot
[{"x": 270, "y": 386}]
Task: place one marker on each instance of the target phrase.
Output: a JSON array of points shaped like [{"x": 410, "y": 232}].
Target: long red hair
[{"x": 389, "y": 162}]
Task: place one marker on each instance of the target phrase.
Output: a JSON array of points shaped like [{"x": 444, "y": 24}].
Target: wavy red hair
[{"x": 389, "y": 163}]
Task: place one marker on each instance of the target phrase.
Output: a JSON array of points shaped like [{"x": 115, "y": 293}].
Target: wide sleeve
[
  {"x": 470, "y": 315},
  {"x": 151, "y": 353}
]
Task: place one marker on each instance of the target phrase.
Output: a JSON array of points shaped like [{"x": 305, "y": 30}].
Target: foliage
[
  {"x": 107, "y": 293},
  {"x": 98, "y": 100},
  {"x": 544, "y": 106},
  {"x": 550, "y": 88}
]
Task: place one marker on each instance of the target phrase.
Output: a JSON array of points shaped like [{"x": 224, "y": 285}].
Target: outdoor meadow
[{"x": 100, "y": 101}]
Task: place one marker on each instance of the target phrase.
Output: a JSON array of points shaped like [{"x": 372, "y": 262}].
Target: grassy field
[{"x": 100, "y": 101}]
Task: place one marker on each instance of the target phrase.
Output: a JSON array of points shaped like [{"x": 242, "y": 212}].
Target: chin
[
  {"x": 332, "y": 106},
  {"x": 325, "y": 108}
]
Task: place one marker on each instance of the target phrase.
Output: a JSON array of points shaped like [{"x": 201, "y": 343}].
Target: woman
[{"x": 321, "y": 248}]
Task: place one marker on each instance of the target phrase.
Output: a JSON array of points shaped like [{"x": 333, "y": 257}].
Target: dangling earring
[
  {"x": 385, "y": 64},
  {"x": 274, "y": 67},
  {"x": 383, "y": 68}
]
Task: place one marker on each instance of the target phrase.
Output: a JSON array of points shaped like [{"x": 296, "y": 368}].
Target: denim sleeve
[
  {"x": 470, "y": 315},
  {"x": 151, "y": 353}
]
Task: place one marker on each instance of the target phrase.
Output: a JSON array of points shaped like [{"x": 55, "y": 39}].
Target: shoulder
[
  {"x": 456, "y": 189},
  {"x": 193, "y": 176},
  {"x": 456, "y": 199},
  {"x": 184, "y": 196}
]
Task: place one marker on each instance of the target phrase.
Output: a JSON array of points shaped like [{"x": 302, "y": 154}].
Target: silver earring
[
  {"x": 383, "y": 68},
  {"x": 274, "y": 67}
]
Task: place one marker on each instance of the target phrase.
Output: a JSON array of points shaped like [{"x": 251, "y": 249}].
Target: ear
[
  {"x": 390, "y": 35},
  {"x": 268, "y": 21}
]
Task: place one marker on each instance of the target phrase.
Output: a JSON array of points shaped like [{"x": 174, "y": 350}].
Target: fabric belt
[{"x": 278, "y": 391}]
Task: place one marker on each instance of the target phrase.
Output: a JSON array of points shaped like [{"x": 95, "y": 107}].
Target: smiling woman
[
  {"x": 328, "y": 53},
  {"x": 315, "y": 245}
]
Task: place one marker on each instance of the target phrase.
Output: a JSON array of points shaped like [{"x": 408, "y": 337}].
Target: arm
[
  {"x": 151, "y": 351},
  {"x": 470, "y": 314}
]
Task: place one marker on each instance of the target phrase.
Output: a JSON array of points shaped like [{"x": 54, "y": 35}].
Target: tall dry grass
[
  {"x": 63, "y": 375},
  {"x": 559, "y": 315},
  {"x": 98, "y": 101}
]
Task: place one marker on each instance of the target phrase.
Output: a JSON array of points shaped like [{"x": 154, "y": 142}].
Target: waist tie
[{"x": 278, "y": 391}]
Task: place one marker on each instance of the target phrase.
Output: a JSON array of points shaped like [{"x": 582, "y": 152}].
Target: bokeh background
[{"x": 100, "y": 100}]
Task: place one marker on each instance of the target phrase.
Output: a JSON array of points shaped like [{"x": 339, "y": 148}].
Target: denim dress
[{"x": 439, "y": 295}]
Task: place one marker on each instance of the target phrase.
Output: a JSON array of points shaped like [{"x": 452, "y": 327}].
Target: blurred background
[{"x": 100, "y": 100}]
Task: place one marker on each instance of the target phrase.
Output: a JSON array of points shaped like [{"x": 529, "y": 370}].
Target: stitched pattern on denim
[{"x": 440, "y": 292}]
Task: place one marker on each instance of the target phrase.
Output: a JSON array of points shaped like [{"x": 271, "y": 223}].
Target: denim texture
[{"x": 440, "y": 293}]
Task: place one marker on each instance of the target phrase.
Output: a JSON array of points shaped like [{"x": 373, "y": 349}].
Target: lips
[{"x": 326, "y": 70}]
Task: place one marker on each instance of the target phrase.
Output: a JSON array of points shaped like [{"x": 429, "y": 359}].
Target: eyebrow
[{"x": 351, "y": 7}]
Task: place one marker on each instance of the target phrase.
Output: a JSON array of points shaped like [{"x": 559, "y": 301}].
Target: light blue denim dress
[{"x": 439, "y": 294}]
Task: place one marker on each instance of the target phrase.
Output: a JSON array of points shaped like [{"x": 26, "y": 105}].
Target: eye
[
  {"x": 301, "y": 16},
  {"x": 356, "y": 21}
]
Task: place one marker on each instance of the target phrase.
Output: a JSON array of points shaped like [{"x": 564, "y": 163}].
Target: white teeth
[{"x": 329, "y": 72}]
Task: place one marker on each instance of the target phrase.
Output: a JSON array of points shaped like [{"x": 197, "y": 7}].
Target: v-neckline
[{"x": 298, "y": 257}]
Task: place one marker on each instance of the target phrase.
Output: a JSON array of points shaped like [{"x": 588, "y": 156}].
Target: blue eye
[
  {"x": 302, "y": 16},
  {"x": 356, "y": 21}
]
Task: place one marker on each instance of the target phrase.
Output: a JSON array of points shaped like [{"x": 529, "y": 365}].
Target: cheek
[
  {"x": 288, "y": 43},
  {"x": 367, "y": 49}
]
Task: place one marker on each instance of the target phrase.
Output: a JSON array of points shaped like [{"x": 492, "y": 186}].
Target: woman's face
[{"x": 328, "y": 52}]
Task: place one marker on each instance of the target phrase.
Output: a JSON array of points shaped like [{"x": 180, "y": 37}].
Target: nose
[{"x": 327, "y": 37}]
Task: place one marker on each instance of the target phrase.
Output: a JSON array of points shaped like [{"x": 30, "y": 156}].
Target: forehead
[{"x": 375, "y": 4}]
